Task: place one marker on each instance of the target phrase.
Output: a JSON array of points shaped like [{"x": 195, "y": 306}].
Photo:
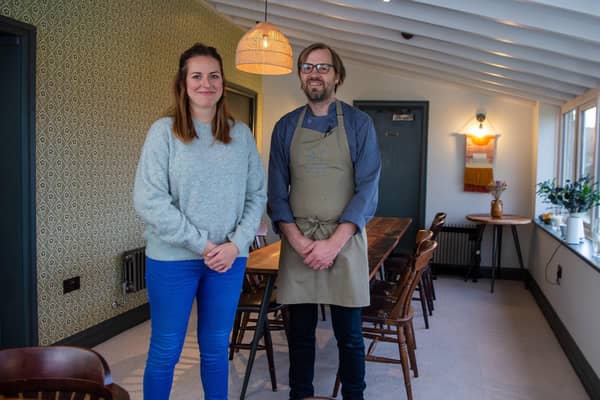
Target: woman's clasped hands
[{"x": 220, "y": 257}]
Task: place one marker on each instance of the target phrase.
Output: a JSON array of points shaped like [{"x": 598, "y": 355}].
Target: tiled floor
[{"x": 480, "y": 346}]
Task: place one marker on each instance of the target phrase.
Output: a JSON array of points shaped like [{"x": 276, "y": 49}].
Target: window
[
  {"x": 588, "y": 128},
  {"x": 579, "y": 155},
  {"x": 568, "y": 146}
]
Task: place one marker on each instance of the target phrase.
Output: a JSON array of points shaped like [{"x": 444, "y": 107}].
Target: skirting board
[
  {"x": 105, "y": 330},
  {"x": 583, "y": 369}
]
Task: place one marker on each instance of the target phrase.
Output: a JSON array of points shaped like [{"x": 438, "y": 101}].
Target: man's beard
[{"x": 317, "y": 94}]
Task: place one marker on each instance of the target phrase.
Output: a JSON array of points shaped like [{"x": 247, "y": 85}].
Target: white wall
[
  {"x": 451, "y": 108},
  {"x": 577, "y": 297}
]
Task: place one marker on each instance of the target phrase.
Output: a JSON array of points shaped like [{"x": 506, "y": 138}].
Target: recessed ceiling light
[{"x": 386, "y": 1}]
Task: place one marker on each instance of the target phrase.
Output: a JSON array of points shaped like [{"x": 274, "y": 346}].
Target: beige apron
[{"x": 321, "y": 186}]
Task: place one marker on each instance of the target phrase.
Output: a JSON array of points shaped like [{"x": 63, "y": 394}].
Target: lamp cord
[
  {"x": 266, "y": 2},
  {"x": 548, "y": 264}
]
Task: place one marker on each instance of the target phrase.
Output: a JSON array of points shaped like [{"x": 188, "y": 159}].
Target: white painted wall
[
  {"x": 451, "y": 108},
  {"x": 577, "y": 297}
]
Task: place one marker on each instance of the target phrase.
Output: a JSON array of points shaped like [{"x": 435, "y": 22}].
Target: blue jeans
[
  {"x": 172, "y": 287},
  {"x": 346, "y": 323}
]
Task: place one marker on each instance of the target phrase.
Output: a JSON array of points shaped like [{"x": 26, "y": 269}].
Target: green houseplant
[{"x": 576, "y": 197}]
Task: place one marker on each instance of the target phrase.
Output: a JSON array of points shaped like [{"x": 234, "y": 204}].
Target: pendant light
[{"x": 264, "y": 50}]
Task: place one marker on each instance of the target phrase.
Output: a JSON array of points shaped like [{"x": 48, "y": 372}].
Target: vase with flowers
[
  {"x": 496, "y": 189},
  {"x": 577, "y": 197}
]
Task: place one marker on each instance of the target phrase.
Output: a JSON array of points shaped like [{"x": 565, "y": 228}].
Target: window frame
[{"x": 579, "y": 105}]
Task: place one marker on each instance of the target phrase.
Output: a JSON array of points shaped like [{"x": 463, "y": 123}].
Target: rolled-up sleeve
[
  {"x": 279, "y": 209},
  {"x": 367, "y": 169}
]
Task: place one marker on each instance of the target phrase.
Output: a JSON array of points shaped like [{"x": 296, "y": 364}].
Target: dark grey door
[
  {"x": 18, "y": 309},
  {"x": 402, "y": 135}
]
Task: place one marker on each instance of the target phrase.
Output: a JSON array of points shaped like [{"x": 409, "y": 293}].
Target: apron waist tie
[{"x": 316, "y": 229}]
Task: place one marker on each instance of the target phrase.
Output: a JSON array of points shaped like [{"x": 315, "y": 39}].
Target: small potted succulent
[{"x": 577, "y": 197}]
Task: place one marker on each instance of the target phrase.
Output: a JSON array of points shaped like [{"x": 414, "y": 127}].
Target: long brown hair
[
  {"x": 183, "y": 126},
  {"x": 338, "y": 65}
]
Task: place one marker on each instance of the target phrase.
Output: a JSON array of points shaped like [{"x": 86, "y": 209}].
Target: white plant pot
[{"x": 575, "y": 232}]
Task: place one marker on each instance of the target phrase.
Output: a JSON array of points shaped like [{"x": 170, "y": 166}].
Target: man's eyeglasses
[{"x": 307, "y": 68}]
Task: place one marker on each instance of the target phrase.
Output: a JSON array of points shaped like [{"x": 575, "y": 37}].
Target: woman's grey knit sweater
[{"x": 204, "y": 190}]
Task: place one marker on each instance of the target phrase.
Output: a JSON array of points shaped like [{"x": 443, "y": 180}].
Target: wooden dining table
[{"x": 383, "y": 234}]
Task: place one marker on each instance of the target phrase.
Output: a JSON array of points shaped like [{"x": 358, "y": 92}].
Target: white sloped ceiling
[{"x": 539, "y": 50}]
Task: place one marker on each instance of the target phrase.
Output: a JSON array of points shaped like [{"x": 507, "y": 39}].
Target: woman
[{"x": 200, "y": 189}]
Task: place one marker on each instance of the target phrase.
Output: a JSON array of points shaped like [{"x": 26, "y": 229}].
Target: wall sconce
[
  {"x": 481, "y": 131},
  {"x": 264, "y": 50}
]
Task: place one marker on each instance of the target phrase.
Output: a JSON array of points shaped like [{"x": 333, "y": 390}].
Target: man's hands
[
  {"x": 322, "y": 254},
  {"x": 220, "y": 258},
  {"x": 299, "y": 242},
  {"x": 318, "y": 254}
]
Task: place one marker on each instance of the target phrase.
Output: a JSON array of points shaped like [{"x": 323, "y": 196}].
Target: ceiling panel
[{"x": 538, "y": 50}]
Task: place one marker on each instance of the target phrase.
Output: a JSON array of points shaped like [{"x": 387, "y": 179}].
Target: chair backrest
[
  {"x": 422, "y": 235},
  {"x": 48, "y": 372},
  {"x": 410, "y": 279},
  {"x": 260, "y": 239},
  {"x": 437, "y": 224}
]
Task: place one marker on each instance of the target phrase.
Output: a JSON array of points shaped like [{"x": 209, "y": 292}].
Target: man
[{"x": 323, "y": 176}]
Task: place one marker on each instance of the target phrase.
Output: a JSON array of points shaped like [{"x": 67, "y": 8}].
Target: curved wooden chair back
[
  {"x": 437, "y": 224},
  {"x": 260, "y": 239},
  {"x": 411, "y": 278},
  {"x": 397, "y": 269},
  {"x": 422, "y": 235},
  {"x": 57, "y": 372}
]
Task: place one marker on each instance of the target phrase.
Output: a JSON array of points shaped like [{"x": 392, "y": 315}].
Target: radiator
[
  {"x": 457, "y": 245},
  {"x": 134, "y": 270}
]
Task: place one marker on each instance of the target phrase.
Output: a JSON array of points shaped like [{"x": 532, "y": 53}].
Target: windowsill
[{"x": 582, "y": 250}]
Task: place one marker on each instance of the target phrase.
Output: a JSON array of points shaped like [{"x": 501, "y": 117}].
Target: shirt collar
[{"x": 330, "y": 111}]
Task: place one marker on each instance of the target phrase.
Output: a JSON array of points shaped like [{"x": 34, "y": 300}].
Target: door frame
[
  {"x": 26, "y": 35},
  {"x": 423, "y": 149}
]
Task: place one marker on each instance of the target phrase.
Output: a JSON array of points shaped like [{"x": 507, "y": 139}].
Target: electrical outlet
[
  {"x": 558, "y": 274},
  {"x": 71, "y": 284}
]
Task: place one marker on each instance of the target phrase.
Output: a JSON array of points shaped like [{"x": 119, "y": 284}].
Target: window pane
[
  {"x": 588, "y": 148},
  {"x": 588, "y": 124},
  {"x": 568, "y": 159}
]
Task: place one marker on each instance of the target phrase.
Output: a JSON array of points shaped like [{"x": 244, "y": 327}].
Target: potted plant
[{"x": 577, "y": 197}]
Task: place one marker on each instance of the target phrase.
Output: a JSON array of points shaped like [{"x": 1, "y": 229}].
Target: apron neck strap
[
  {"x": 338, "y": 111},
  {"x": 340, "y": 114}
]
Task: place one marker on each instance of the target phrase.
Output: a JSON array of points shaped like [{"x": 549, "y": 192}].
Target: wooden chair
[
  {"x": 395, "y": 265},
  {"x": 426, "y": 287},
  {"x": 260, "y": 239},
  {"x": 389, "y": 318},
  {"x": 56, "y": 372},
  {"x": 398, "y": 265},
  {"x": 249, "y": 305}
]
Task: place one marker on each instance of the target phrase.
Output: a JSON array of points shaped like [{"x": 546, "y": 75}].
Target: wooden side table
[{"x": 497, "y": 225}]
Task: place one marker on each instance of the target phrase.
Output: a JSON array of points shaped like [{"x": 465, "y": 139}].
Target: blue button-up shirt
[{"x": 364, "y": 152}]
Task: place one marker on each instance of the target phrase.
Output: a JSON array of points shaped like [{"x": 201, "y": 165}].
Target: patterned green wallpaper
[{"x": 104, "y": 70}]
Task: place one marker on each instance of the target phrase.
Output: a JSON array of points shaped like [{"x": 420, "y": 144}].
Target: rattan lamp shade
[{"x": 265, "y": 51}]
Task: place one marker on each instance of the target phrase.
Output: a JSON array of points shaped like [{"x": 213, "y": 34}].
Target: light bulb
[{"x": 265, "y": 41}]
